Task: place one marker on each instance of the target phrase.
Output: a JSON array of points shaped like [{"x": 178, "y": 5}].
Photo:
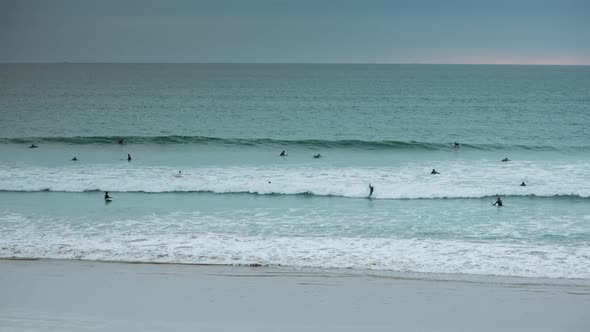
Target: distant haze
[{"x": 298, "y": 31}]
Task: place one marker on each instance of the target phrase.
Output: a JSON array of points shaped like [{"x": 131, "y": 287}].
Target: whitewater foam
[
  {"x": 407, "y": 236},
  {"x": 458, "y": 179},
  {"x": 400, "y": 255}
]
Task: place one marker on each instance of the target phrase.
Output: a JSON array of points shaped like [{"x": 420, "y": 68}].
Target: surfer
[
  {"x": 317, "y": 156},
  {"x": 523, "y": 184},
  {"x": 106, "y": 196},
  {"x": 498, "y": 202},
  {"x": 434, "y": 171},
  {"x": 371, "y": 188},
  {"x": 74, "y": 159},
  {"x": 33, "y": 146},
  {"x": 455, "y": 144},
  {"x": 121, "y": 141},
  {"x": 128, "y": 157},
  {"x": 283, "y": 154},
  {"x": 505, "y": 160}
]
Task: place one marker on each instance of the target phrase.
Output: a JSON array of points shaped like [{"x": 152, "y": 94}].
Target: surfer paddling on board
[
  {"x": 371, "y": 188},
  {"x": 505, "y": 160},
  {"x": 498, "y": 202},
  {"x": 455, "y": 144},
  {"x": 33, "y": 146}
]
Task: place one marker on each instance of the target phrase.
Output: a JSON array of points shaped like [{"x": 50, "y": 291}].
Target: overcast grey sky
[{"x": 318, "y": 31}]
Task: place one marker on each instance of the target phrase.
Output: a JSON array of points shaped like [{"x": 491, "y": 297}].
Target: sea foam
[
  {"x": 482, "y": 178},
  {"x": 154, "y": 241}
]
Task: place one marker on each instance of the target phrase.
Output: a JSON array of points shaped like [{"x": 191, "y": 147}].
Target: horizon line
[{"x": 294, "y": 63}]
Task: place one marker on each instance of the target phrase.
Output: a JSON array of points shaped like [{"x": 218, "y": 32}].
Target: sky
[{"x": 297, "y": 31}]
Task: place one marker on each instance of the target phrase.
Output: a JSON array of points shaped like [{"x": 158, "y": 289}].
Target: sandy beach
[{"x": 56, "y": 295}]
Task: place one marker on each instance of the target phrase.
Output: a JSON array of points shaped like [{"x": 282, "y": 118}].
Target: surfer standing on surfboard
[{"x": 371, "y": 188}]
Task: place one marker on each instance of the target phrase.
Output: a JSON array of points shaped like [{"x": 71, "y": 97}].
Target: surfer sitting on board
[
  {"x": 434, "y": 171},
  {"x": 33, "y": 146},
  {"x": 523, "y": 184},
  {"x": 371, "y": 188},
  {"x": 128, "y": 157},
  {"x": 106, "y": 196},
  {"x": 283, "y": 154},
  {"x": 498, "y": 202},
  {"x": 316, "y": 156},
  {"x": 74, "y": 159}
]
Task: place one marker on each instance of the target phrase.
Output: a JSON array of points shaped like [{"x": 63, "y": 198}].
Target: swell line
[{"x": 306, "y": 143}]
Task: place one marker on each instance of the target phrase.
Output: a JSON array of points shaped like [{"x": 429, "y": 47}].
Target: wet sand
[{"x": 55, "y": 295}]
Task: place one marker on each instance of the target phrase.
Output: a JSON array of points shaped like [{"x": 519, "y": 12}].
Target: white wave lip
[{"x": 457, "y": 179}]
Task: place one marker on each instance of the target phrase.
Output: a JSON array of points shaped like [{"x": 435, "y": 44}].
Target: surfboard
[{"x": 108, "y": 199}]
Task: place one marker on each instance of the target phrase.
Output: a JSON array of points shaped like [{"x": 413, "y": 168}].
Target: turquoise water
[{"x": 238, "y": 202}]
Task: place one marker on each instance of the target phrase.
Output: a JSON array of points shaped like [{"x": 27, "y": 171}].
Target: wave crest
[{"x": 306, "y": 143}]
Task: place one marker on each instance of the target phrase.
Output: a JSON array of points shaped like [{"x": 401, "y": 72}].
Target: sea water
[{"x": 236, "y": 201}]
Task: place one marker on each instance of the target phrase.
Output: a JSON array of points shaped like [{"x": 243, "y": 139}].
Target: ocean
[{"x": 238, "y": 202}]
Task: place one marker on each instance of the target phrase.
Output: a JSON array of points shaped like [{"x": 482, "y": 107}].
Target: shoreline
[
  {"x": 41, "y": 295},
  {"x": 345, "y": 272}
]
